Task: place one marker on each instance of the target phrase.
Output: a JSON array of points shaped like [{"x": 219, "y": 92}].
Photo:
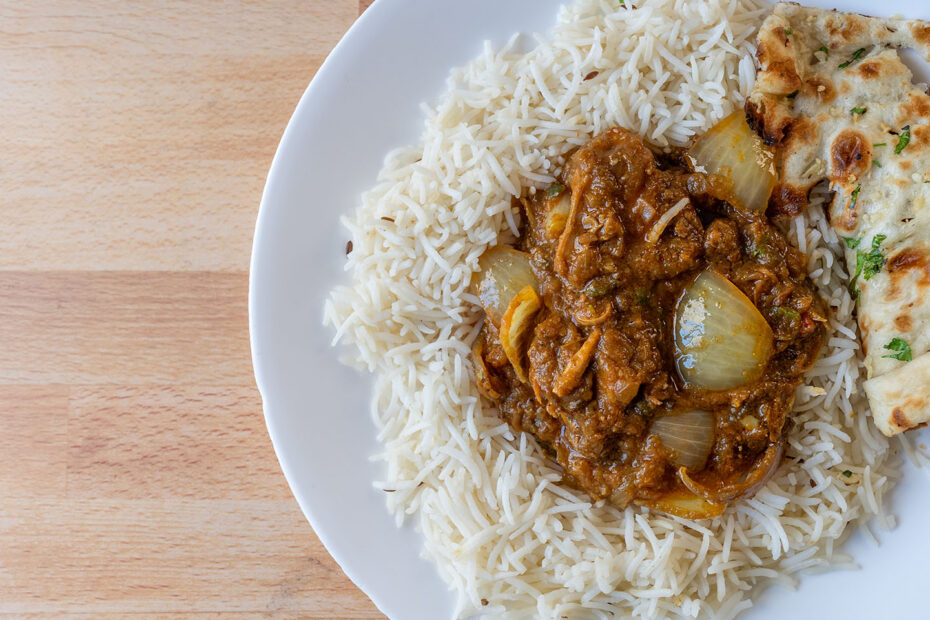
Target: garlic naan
[{"x": 838, "y": 103}]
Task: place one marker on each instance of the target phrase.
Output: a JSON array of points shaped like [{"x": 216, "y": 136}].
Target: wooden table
[{"x": 136, "y": 476}]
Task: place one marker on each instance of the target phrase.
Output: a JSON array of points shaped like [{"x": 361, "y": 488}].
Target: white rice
[{"x": 502, "y": 531}]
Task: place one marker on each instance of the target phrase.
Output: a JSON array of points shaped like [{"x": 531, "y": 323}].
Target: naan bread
[{"x": 835, "y": 99}]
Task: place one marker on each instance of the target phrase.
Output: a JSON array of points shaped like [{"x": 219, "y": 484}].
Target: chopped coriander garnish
[
  {"x": 554, "y": 190},
  {"x": 859, "y": 110},
  {"x": 856, "y": 56},
  {"x": 880, "y": 144},
  {"x": 788, "y": 32},
  {"x": 793, "y": 95},
  {"x": 847, "y": 473},
  {"x": 789, "y": 313},
  {"x": 823, "y": 48},
  {"x": 868, "y": 263},
  {"x": 854, "y": 197},
  {"x": 903, "y": 350},
  {"x": 875, "y": 163},
  {"x": 903, "y": 140},
  {"x": 873, "y": 262},
  {"x": 851, "y": 242}
]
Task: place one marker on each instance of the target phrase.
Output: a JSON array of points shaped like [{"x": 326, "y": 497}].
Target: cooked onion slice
[
  {"x": 745, "y": 486},
  {"x": 514, "y": 325},
  {"x": 686, "y": 505},
  {"x": 659, "y": 227},
  {"x": 558, "y": 214},
  {"x": 688, "y": 436},
  {"x": 731, "y": 149},
  {"x": 721, "y": 339},
  {"x": 571, "y": 376},
  {"x": 482, "y": 376},
  {"x": 504, "y": 273}
]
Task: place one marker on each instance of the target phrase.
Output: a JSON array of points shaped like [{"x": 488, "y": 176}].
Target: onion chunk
[
  {"x": 732, "y": 150},
  {"x": 558, "y": 214},
  {"x": 688, "y": 436},
  {"x": 571, "y": 376},
  {"x": 722, "y": 341},
  {"x": 504, "y": 273},
  {"x": 746, "y": 486},
  {"x": 514, "y": 326},
  {"x": 686, "y": 505}
]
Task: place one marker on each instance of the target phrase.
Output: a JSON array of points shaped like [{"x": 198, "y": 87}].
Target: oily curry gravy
[{"x": 614, "y": 247}]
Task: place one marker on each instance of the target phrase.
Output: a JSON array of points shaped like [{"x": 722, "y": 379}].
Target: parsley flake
[
  {"x": 788, "y": 313},
  {"x": 880, "y": 144},
  {"x": 847, "y": 473},
  {"x": 859, "y": 53},
  {"x": 903, "y": 140},
  {"x": 901, "y": 348},
  {"x": 875, "y": 163},
  {"x": 823, "y": 48},
  {"x": 788, "y": 32},
  {"x": 859, "y": 110},
  {"x": 851, "y": 242}
]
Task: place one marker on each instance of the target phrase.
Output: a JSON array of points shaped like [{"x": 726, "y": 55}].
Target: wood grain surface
[{"x": 136, "y": 476}]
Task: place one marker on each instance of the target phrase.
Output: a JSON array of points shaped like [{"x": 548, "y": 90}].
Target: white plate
[{"x": 363, "y": 102}]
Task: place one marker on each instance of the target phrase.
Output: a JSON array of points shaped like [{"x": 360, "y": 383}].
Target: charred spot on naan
[
  {"x": 850, "y": 156},
  {"x": 904, "y": 322},
  {"x": 870, "y": 69},
  {"x": 904, "y": 262},
  {"x": 921, "y": 34},
  {"x": 909, "y": 258},
  {"x": 899, "y": 419},
  {"x": 787, "y": 201},
  {"x": 822, "y": 88},
  {"x": 916, "y": 106},
  {"x": 768, "y": 117},
  {"x": 920, "y": 138},
  {"x": 846, "y": 27}
]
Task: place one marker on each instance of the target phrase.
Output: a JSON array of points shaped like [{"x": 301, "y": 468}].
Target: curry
[{"x": 648, "y": 330}]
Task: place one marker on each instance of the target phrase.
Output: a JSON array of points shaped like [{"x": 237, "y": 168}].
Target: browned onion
[
  {"x": 686, "y": 505},
  {"x": 482, "y": 376},
  {"x": 515, "y": 326},
  {"x": 746, "y": 486}
]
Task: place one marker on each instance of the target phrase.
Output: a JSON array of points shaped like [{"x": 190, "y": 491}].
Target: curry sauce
[{"x": 613, "y": 246}]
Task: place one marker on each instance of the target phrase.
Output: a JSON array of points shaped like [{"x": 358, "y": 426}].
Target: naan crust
[
  {"x": 834, "y": 98},
  {"x": 896, "y": 404}
]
